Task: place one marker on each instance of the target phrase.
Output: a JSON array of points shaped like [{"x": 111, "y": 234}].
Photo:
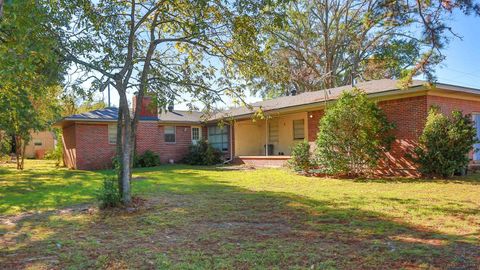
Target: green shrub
[
  {"x": 202, "y": 153},
  {"x": 353, "y": 135},
  {"x": 116, "y": 163},
  {"x": 445, "y": 143},
  {"x": 147, "y": 159},
  {"x": 57, "y": 153},
  {"x": 109, "y": 195},
  {"x": 301, "y": 159}
]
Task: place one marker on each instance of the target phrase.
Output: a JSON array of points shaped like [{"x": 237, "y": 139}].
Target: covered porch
[{"x": 269, "y": 141}]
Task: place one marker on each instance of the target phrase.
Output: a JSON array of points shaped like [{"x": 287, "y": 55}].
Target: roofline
[
  {"x": 385, "y": 93},
  {"x": 180, "y": 122},
  {"x": 76, "y": 120}
]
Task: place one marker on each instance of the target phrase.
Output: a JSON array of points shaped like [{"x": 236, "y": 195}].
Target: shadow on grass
[
  {"x": 192, "y": 221},
  {"x": 44, "y": 189},
  {"x": 473, "y": 179}
]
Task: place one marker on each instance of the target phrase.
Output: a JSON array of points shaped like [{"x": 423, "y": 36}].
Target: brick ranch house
[{"x": 90, "y": 138}]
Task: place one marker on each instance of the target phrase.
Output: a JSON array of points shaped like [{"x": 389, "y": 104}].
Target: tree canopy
[
  {"x": 30, "y": 73},
  {"x": 171, "y": 49},
  {"x": 328, "y": 43}
]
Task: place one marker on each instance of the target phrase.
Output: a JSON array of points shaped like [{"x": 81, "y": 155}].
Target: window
[
  {"x": 298, "y": 129},
  {"x": 218, "y": 137},
  {"x": 476, "y": 120},
  {"x": 112, "y": 134},
  {"x": 273, "y": 131},
  {"x": 37, "y": 142},
  {"x": 170, "y": 134},
  {"x": 195, "y": 134}
]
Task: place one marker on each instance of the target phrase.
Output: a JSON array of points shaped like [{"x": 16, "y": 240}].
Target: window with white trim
[
  {"x": 195, "y": 133},
  {"x": 298, "y": 129},
  {"x": 218, "y": 137},
  {"x": 476, "y": 121},
  {"x": 112, "y": 134},
  {"x": 170, "y": 134}
]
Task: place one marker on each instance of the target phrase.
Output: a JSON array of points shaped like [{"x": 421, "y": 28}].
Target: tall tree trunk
[
  {"x": 126, "y": 161},
  {"x": 24, "y": 146},
  {"x": 126, "y": 147},
  {"x": 18, "y": 145},
  {"x": 120, "y": 131}
]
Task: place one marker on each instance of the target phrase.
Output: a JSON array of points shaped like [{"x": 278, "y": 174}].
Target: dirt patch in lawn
[{"x": 227, "y": 228}]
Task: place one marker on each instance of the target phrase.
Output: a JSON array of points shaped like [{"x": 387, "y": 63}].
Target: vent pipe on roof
[{"x": 170, "y": 106}]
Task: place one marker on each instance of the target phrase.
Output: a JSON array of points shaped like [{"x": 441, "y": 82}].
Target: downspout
[
  {"x": 231, "y": 144},
  {"x": 266, "y": 137}
]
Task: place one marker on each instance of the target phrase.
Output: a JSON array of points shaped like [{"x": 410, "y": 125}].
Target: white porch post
[{"x": 266, "y": 137}]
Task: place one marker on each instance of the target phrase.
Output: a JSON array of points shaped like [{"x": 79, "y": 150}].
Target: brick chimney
[{"x": 148, "y": 109}]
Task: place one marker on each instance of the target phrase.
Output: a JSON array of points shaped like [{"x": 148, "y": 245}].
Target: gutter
[
  {"x": 317, "y": 104},
  {"x": 231, "y": 145}
]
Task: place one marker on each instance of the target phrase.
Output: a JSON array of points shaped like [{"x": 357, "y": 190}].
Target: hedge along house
[{"x": 90, "y": 138}]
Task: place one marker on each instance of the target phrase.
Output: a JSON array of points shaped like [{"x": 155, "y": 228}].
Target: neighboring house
[
  {"x": 89, "y": 138},
  {"x": 41, "y": 143}
]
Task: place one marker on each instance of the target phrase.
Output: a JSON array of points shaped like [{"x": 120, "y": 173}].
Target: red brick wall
[
  {"x": 147, "y": 109},
  {"x": 69, "y": 147},
  {"x": 148, "y": 137},
  {"x": 313, "y": 121},
  {"x": 175, "y": 151},
  {"x": 408, "y": 114},
  {"x": 87, "y": 147},
  {"x": 447, "y": 105},
  {"x": 93, "y": 150}
]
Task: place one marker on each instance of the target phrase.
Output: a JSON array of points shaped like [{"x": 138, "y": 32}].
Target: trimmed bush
[
  {"x": 147, "y": 159},
  {"x": 353, "y": 135},
  {"x": 109, "y": 195},
  {"x": 301, "y": 160},
  {"x": 445, "y": 143},
  {"x": 202, "y": 153}
]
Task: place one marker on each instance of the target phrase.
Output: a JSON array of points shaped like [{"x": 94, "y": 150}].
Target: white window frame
[
  {"x": 199, "y": 133},
  {"x": 174, "y": 134},
  {"x": 112, "y": 134},
  {"x": 476, "y": 146}
]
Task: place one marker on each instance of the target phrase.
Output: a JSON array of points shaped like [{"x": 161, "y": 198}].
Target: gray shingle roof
[
  {"x": 180, "y": 116},
  {"x": 316, "y": 97},
  {"x": 370, "y": 87},
  {"x": 111, "y": 114}
]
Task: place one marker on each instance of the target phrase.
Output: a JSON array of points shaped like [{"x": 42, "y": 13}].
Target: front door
[
  {"x": 196, "y": 134},
  {"x": 476, "y": 120}
]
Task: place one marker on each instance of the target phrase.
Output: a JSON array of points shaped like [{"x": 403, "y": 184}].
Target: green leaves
[
  {"x": 352, "y": 135},
  {"x": 30, "y": 70},
  {"x": 445, "y": 143}
]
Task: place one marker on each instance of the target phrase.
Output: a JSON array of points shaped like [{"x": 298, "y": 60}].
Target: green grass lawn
[{"x": 227, "y": 218}]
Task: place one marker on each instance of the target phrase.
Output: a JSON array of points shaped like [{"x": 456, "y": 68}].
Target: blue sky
[{"x": 461, "y": 66}]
